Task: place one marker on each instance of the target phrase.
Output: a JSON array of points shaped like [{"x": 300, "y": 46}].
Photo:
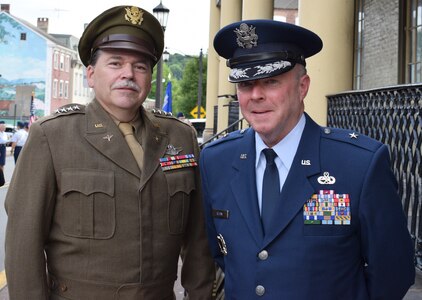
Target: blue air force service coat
[
  {"x": 108, "y": 230},
  {"x": 367, "y": 255}
]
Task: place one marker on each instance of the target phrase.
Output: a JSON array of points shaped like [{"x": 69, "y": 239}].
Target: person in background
[
  {"x": 18, "y": 140},
  {"x": 4, "y": 139},
  {"x": 106, "y": 197},
  {"x": 295, "y": 210},
  {"x": 182, "y": 118}
]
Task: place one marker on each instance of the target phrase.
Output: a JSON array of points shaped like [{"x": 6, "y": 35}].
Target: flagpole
[{"x": 31, "y": 110}]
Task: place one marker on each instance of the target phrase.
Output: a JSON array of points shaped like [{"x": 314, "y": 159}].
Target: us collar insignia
[
  {"x": 246, "y": 36},
  {"x": 134, "y": 15},
  {"x": 326, "y": 179},
  {"x": 171, "y": 150},
  {"x": 305, "y": 162},
  {"x": 327, "y": 208},
  {"x": 178, "y": 162}
]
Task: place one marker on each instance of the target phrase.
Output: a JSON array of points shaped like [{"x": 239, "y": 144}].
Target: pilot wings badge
[{"x": 172, "y": 150}]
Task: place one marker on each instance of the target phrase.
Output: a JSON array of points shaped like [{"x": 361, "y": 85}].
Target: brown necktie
[{"x": 135, "y": 147}]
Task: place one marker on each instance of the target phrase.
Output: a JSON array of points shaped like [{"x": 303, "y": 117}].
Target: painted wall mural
[{"x": 22, "y": 61}]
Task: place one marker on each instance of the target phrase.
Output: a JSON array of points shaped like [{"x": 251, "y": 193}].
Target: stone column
[
  {"x": 230, "y": 12},
  {"x": 213, "y": 62},
  {"x": 262, "y": 9},
  {"x": 331, "y": 70}
]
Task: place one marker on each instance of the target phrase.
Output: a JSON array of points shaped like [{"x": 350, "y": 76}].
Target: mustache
[{"x": 125, "y": 84}]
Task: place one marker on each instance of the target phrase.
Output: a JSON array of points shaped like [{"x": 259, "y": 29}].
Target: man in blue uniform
[{"x": 295, "y": 210}]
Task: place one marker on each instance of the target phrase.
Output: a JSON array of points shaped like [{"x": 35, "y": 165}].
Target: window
[
  {"x": 280, "y": 18},
  {"x": 414, "y": 41},
  {"x": 55, "y": 88},
  {"x": 23, "y": 36},
  {"x": 56, "y": 60},
  {"x": 66, "y": 89},
  {"x": 76, "y": 85},
  {"x": 62, "y": 62},
  {"x": 358, "y": 59},
  {"x": 61, "y": 89},
  {"x": 67, "y": 63}
]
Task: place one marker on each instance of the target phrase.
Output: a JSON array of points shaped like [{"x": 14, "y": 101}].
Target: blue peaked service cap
[{"x": 257, "y": 49}]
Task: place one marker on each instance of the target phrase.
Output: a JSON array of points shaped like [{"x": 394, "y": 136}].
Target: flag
[
  {"x": 31, "y": 111},
  {"x": 167, "y": 105}
]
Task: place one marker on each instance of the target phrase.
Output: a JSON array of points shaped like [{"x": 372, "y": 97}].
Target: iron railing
[
  {"x": 391, "y": 115},
  {"x": 238, "y": 125}
]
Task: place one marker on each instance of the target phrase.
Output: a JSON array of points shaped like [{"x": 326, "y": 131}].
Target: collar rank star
[{"x": 353, "y": 135}]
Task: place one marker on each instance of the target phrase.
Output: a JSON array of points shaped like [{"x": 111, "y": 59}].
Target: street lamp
[
  {"x": 199, "y": 103},
  {"x": 166, "y": 55},
  {"x": 161, "y": 13}
]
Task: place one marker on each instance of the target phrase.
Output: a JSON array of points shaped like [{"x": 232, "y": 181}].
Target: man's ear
[
  {"x": 89, "y": 76},
  {"x": 304, "y": 83}
]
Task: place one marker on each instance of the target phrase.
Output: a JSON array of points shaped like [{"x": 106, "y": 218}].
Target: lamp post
[
  {"x": 199, "y": 85},
  {"x": 166, "y": 55},
  {"x": 161, "y": 13}
]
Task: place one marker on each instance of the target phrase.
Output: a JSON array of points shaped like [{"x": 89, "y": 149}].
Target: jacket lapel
[
  {"x": 243, "y": 185},
  {"x": 155, "y": 143},
  {"x": 297, "y": 188},
  {"x": 103, "y": 134}
]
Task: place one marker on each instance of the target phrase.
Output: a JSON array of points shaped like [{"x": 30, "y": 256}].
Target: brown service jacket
[{"x": 79, "y": 204}]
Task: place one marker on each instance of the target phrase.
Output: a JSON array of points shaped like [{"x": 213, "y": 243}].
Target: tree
[
  {"x": 186, "y": 97},
  {"x": 183, "y": 72}
]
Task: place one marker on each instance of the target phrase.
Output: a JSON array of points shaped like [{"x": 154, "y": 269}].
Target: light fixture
[
  {"x": 161, "y": 13},
  {"x": 166, "y": 55}
]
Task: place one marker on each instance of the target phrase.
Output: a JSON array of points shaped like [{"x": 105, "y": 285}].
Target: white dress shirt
[{"x": 286, "y": 151}]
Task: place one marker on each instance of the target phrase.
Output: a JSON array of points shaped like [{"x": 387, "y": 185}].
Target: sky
[{"x": 186, "y": 33}]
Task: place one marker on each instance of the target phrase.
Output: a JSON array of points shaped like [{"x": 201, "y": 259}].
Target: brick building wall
[{"x": 380, "y": 43}]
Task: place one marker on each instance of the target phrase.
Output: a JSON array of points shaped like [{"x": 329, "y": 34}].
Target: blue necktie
[{"x": 270, "y": 188}]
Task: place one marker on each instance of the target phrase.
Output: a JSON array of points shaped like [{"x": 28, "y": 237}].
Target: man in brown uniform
[{"x": 106, "y": 223}]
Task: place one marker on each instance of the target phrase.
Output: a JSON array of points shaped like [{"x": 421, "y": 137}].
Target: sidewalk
[{"x": 414, "y": 293}]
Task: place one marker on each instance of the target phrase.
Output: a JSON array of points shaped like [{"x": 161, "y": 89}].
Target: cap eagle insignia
[
  {"x": 134, "y": 15},
  {"x": 246, "y": 36}
]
